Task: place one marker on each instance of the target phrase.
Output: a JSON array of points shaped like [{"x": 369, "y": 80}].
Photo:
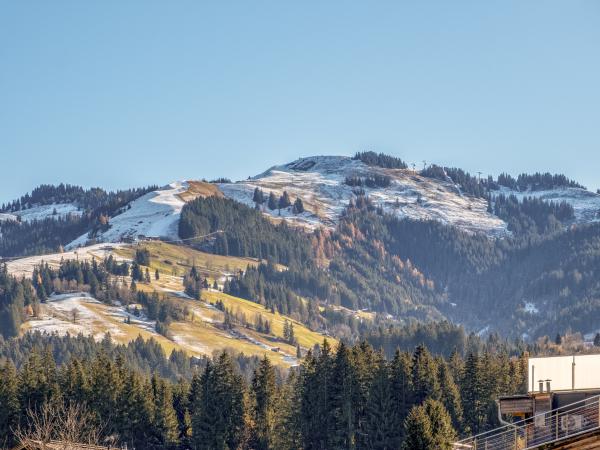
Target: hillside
[
  {"x": 199, "y": 331},
  {"x": 506, "y": 254}
]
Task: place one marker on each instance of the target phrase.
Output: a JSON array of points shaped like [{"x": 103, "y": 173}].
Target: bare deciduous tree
[{"x": 58, "y": 426}]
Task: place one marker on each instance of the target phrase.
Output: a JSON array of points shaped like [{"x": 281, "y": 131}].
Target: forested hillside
[
  {"x": 52, "y": 232},
  {"x": 347, "y": 397}
]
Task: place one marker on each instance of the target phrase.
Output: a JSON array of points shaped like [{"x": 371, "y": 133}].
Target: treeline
[
  {"x": 371, "y": 158},
  {"x": 350, "y": 397},
  {"x": 283, "y": 202},
  {"x": 242, "y": 231},
  {"x": 537, "y": 181},
  {"x": 371, "y": 181},
  {"x": 53, "y": 233},
  {"x": 531, "y": 215},
  {"x": 468, "y": 183},
  {"x": 15, "y": 295},
  {"x": 41, "y": 236},
  {"x": 86, "y": 199},
  {"x": 481, "y": 187}
]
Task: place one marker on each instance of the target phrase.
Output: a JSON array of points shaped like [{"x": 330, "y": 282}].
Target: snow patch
[
  {"x": 155, "y": 214},
  {"x": 42, "y": 212},
  {"x": 531, "y": 308},
  {"x": 320, "y": 182}
]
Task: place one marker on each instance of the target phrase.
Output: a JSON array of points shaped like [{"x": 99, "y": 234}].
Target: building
[{"x": 561, "y": 409}]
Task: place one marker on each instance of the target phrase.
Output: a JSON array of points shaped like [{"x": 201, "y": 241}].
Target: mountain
[
  {"x": 516, "y": 255},
  {"x": 324, "y": 184}
]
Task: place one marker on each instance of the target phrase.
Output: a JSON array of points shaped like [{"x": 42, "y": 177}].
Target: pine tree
[
  {"x": 258, "y": 196},
  {"x": 472, "y": 393},
  {"x": 424, "y": 376},
  {"x": 218, "y": 409},
  {"x": 450, "y": 395},
  {"x": 417, "y": 430},
  {"x": 156, "y": 275},
  {"x": 284, "y": 201},
  {"x": 263, "y": 405},
  {"x": 9, "y": 404},
  {"x": 135, "y": 413},
  {"x": 441, "y": 425},
  {"x": 272, "y": 203},
  {"x": 298, "y": 206},
  {"x": 344, "y": 389},
  {"x": 401, "y": 394},
  {"x": 379, "y": 427},
  {"x": 165, "y": 421}
]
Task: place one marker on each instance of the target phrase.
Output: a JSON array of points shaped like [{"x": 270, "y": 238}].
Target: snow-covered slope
[
  {"x": 6, "y": 217},
  {"x": 48, "y": 211},
  {"x": 320, "y": 182},
  {"x": 155, "y": 214},
  {"x": 586, "y": 204}
]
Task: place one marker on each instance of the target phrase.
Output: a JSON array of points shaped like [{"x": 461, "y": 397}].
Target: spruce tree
[
  {"x": 272, "y": 203},
  {"x": 417, "y": 430},
  {"x": 164, "y": 424},
  {"x": 424, "y": 376},
  {"x": 450, "y": 395},
  {"x": 218, "y": 409},
  {"x": 472, "y": 393},
  {"x": 298, "y": 206},
  {"x": 379, "y": 426},
  {"x": 9, "y": 404},
  {"x": 442, "y": 432},
  {"x": 401, "y": 394},
  {"x": 263, "y": 405},
  {"x": 344, "y": 389}
]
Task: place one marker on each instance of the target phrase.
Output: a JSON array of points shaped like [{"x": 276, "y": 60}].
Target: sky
[{"x": 127, "y": 93}]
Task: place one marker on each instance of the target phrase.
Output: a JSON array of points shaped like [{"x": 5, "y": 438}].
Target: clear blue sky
[{"x": 126, "y": 93}]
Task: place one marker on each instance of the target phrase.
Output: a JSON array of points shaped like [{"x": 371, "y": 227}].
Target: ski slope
[
  {"x": 320, "y": 182},
  {"x": 155, "y": 214}
]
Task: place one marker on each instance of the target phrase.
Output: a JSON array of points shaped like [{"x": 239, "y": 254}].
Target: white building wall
[{"x": 565, "y": 372}]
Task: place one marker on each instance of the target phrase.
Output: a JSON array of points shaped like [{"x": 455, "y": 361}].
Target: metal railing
[{"x": 544, "y": 428}]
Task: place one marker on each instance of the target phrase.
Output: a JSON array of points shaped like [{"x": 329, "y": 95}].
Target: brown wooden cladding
[{"x": 516, "y": 405}]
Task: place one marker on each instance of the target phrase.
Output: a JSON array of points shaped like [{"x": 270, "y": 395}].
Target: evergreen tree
[
  {"x": 135, "y": 411},
  {"x": 258, "y": 196},
  {"x": 344, "y": 389},
  {"x": 298, "y": 206},
  {"x": 9, "y": 404},
  {"x": 218, "y": 410},
  {"x": 424, "y": 376},
  {"x": 450, "y": 395},
  {"x": 443, "y": 435},
  {"x": 473, "y": 391},
  {"x": 597, "y": 340},
  {"x": 417, "y": 430},
  {"x": 284, "y": 201},
  {"x": 156, "y": 275},
  {"x": 401, "y": 395},
  {"x": 272, "y": 202},
  {"x": 380, "y": 429},
  {"x": 263, "y": 408},
  {"x": 164, "y": 419}
]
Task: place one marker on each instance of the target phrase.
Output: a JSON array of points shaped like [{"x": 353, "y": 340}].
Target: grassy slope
[{"x": 202, "y": 331}]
